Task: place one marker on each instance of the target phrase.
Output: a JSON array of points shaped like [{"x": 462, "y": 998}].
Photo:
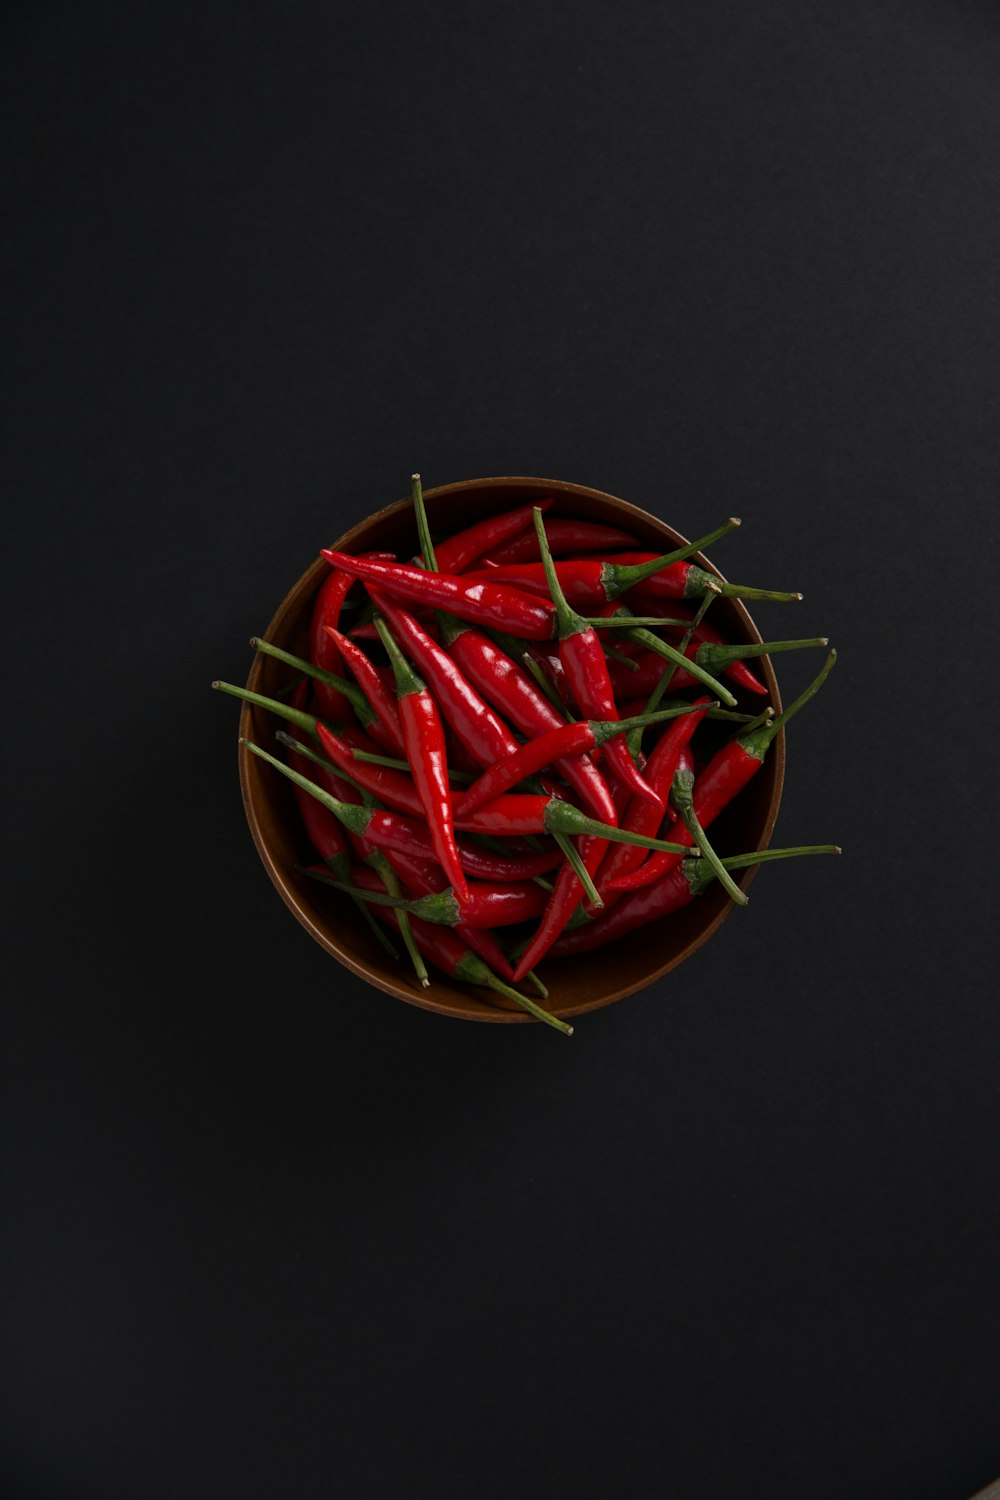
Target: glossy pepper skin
[
  {"x": 386, "y": 727},
  {"x": 590, "y": 582},
  {"x": 536, "y": 754},
  {"x": 723, "y": 778},
  {"x": 702, "y": 633},
  {"x": 511, "y": 691},
  {"x": 670, "y": 892},
  {"x": 483, "y": 602},
  {"x": 485, "y": 907},
  {"x": 566, "y": 896},
  {"x": 398, "y": 790},
  {"x": 426, "y": 751},
  {"x": 323, "y": 652},
  {"x": 460, "y": 551},
  {"x": 641, "y": 816},
  {"x": 566, "y": 536},
  {"x": 421, "y": 878},
  {"x": 586, "y": 668},
  {"x": 475, "y": 724}
]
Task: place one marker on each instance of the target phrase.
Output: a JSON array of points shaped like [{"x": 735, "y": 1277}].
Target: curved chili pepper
[
  {"x": 565, "y": 897},
  {"x": 350, "y": 692},
  {"x": 323, "y": 650},
  {"x": 566, "y": 535},
  {"x": 485, "y": 603},
  {"x": 487, "y": 906},
  {"x": 570, "y": 739},
  {"x": 386, "y": 726},
  {"x": 385, "y": 829},
  {"x": 582, "y": 656},
  {"x": 679, "y": 619},
  {"x": 712, "y": 658},
  {"x": 479, "y": 729},
  {"x": 591, "y": 582},
  {"x": 672, "y": 891},
  {"x": 447, "y": 952},
  {"x": 508, "y": 687},
  {"x": 641, "y": 816},
  {"x": 460, "y": 551},
  {"x": 409, "y": 834},
  {"x": 423, "y": 879},
  {"x": 325, "y": 832},
  {"x": 727, "y": 773},
  {"x": 524, "y": 812},
  {"x": 425, "y": 749}
]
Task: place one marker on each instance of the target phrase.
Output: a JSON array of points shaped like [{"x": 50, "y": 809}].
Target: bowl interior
[{"x": 575, "y": 985}]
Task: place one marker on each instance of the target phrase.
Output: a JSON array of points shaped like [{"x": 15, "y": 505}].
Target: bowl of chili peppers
[{"x": 486, "y": 733}]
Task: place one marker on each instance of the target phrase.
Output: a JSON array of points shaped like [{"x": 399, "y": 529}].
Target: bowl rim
[{"x": 462, "y": 1005}]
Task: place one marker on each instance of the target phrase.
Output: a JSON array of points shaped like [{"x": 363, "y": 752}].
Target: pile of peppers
[{"x": 508, "y": 748}]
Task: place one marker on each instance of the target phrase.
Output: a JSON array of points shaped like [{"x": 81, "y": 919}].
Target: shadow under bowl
[{"x": 576, "y": 985}]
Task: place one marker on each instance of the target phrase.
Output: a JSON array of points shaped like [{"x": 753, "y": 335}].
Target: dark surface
[{"x": 267, "y": 1232}]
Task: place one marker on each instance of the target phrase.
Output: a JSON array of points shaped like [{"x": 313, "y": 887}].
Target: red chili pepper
[
  {"x": 591, "y": 582},
  {"x": 323, "y": 651},
  {"x": 424, "y": 747},
  {"x": 566, "y": 895},
  {"x": 570, "y": 739},
  {"x": 566, "y": 536},
  {"x": 669, "y": 893},
  {"x": 649, "y": 668},
  {"x": 385, "y": 829},
  {"x": 479, "y": 729},
  {"x": 678, "y": 618},
  {"x": 726, "y": 774},
  {"x": 423, "y": 879},
  {"x": 325, "y": 832},
  {"x": 588, "y": 583},
  {"x": 641, "y": 816},
  {"x": 582, "y": 656},
  {"x": 485, "y": 603},
  {"x": 511, "y": 691},
  {"x": 386, "y": 727},
  {"x": 410, "y": 834},
  {"x": 349, "y": 691},
  {"x": 447, "y": 952},
  {"x": 523, "y": 812},
  {"x": 487, "y": 906},
  {"x": 460, "y": 551}
]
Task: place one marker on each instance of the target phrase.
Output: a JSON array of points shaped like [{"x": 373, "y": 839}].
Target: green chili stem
[
  {"x": 295, "y": 716},
  {"x": 366, "y": 714},
  {"x": 318, "y": 760},
  {"x": 563, "y": 817},
  {"x": 572, "y": 854},
  {"x": 700, "y": 874},
  {"x": 390, "y": 879},
  {"x": 350, "y": 814},
  {"x": 407, "y": 679},
  {"x": 568, "y": 622},
  {"x": 623, "y": 576},
  {"x": 756, "y": 741},
  {"x": 643, "y": 637},
  {"x": 395, "y": 764},
  {"x": 721, "y": 657},
  {"x": 538, "y": 672},
  {"x": 683, "y": 799},
  {"x": 423, "y": 530},
  {"x": 472, "y": 970}
]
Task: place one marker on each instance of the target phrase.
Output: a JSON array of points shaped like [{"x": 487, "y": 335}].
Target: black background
[{"x": 267, "y": 1231}]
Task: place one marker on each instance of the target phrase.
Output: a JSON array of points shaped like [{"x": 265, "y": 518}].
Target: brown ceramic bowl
[{"x": 575, "y": 985}]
